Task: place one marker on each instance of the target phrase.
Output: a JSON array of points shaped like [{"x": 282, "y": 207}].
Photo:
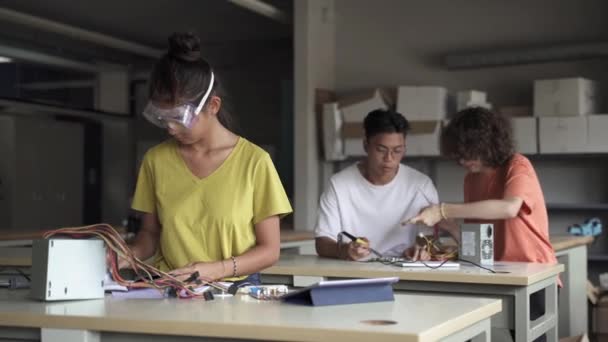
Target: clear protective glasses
[{"x": 183, "y": 115}]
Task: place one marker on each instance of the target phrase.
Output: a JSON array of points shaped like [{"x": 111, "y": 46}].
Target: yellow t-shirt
[{"x": 211, "y": 218}]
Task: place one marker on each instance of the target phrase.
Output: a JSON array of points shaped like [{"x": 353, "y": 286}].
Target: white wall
[
  {"x": 392, "y": 42},
  {"x": 399, "y": 42},
  {"x": 314, "y": 66}
]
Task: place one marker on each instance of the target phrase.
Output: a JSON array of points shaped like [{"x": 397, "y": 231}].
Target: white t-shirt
[{"x": 353, "y": 204}]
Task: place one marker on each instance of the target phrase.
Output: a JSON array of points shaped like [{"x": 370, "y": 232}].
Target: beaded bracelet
[{"x": 233, "y": 266}]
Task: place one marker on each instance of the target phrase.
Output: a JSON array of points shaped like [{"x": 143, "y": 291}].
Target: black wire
[
  {"x": 399, "y": 262},
  {"x": 435, "y": 267},
  {"x": 20, "y": 271},
  {"x": 482, "y": 267}
]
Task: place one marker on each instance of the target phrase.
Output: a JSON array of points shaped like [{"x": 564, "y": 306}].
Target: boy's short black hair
[{"x": 385, "y": 121}]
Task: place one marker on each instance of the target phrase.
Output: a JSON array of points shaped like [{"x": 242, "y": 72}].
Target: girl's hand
[{"x": 206, "y": 270}]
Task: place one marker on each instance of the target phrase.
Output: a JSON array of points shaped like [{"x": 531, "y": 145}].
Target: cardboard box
[
  {"x": 597, "y": 133},
  {"x": 565, "y": 97},
  {"x": 600, "y": 316},
  {"x": 525, "y": 135},
  {"x": 352, "y": 130},
  {"x": 353, "y": 147},
  {"x": 579, "y": 338},
  {"x": 323, "y": 96},
  {"x": 355, "y": 107},
  {"x": 471, "y": 98},
  {"x": 422, "y": 103},
  {"x": 333, "y": 148},
  {"x": 593, "y": 292},
  {"x": 601, "y": 338},
  {"x": 516, "y": 111},
  {"x": 423, "y": 138},
  {"x": 353, "y": 135},
  {"x": 562, "y": 134}
]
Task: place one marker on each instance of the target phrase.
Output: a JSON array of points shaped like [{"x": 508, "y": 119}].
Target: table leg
[
  {"x": 68, "y": 335},
  {"x": 478, "y": 332}
]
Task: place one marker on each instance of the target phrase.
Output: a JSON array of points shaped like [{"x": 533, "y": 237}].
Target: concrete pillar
[{"x": 314, "y": 64}]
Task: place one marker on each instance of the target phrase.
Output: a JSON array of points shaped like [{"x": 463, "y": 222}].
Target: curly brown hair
[{"x": 478, "y": 133}]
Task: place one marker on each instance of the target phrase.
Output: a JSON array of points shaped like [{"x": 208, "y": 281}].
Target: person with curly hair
[{"x": 500, "y": 187}]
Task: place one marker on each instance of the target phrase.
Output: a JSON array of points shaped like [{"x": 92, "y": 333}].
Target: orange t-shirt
[{"x": 525, "y": 237}]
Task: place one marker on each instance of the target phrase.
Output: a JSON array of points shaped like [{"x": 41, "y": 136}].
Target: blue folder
[{"x": 336, "y": 292}]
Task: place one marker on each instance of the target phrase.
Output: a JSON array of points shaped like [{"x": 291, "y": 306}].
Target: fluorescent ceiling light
[{"x": 5, "y": 59}]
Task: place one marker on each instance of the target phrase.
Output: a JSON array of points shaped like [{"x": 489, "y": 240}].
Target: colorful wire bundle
[
  {"x": 150, "y": 277},
  {"x": 437, "y": 253}
]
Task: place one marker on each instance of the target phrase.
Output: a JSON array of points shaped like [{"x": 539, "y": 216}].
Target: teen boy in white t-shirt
[{"x": 371, "y": 198}]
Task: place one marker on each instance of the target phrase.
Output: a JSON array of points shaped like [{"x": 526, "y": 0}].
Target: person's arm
[
  {"x": 329, "y": 225},
  {"x": 497, "y": 209},
  {"x": 451, "y": 227},
  {"x": 264, "y": 254},
  {"x": 144, "y": 201},
  {"x": 146, "y": 241},
  {"x": 327, "y": 247}
]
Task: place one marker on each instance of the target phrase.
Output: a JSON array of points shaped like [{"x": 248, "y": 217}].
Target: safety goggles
[{"x": 183, "y": 115}]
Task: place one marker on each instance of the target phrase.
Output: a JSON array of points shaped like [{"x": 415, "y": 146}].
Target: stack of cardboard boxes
[
  {"x": 425, "y": 108},
  {"x": 525, "y": 128},
  {"x": 354, "y": 109},
  {"x": 343, "y": 122},
  {"x": 471, "y": 98},
  {"x": 565, "y": 109},
  {"x": 598, "y": 299},
  {"x": 564, "y": 118}
]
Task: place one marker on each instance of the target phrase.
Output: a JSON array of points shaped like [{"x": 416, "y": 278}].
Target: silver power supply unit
[
  {"x": 68, "y": 269},
  {"x": 477, "y": 243}
]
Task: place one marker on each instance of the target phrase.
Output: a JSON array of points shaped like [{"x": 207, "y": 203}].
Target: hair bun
[{"x": 185, "y": 46}]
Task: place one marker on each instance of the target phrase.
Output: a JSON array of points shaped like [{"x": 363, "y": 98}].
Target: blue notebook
[{"x": 337, "y": 292}]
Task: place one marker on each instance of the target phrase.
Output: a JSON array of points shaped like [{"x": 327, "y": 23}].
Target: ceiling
[{"x": 219, "y": 23}]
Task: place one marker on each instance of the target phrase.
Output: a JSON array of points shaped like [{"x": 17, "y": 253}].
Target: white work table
[
  {"x": 571, "y": 251},
  {"x": 417, "y": 317},
  {"x": 514, "y": 287}
]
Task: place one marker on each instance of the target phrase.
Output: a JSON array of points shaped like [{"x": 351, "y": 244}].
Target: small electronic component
[
  {"x": 146, "y": 276},
  {"x": 435, "y": 249},
  {"x": 265, "y": 292},
  {"x": 55, "y": 275}
]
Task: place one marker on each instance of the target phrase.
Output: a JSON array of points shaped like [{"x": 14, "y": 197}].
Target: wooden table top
[
  {"x": 561, "y": 242},
  {"x": 519, "y": 274},
  {"x": 416, "y": 317}
]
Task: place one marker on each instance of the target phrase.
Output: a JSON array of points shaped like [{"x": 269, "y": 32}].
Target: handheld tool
[{"x": 362, "y": 242}]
